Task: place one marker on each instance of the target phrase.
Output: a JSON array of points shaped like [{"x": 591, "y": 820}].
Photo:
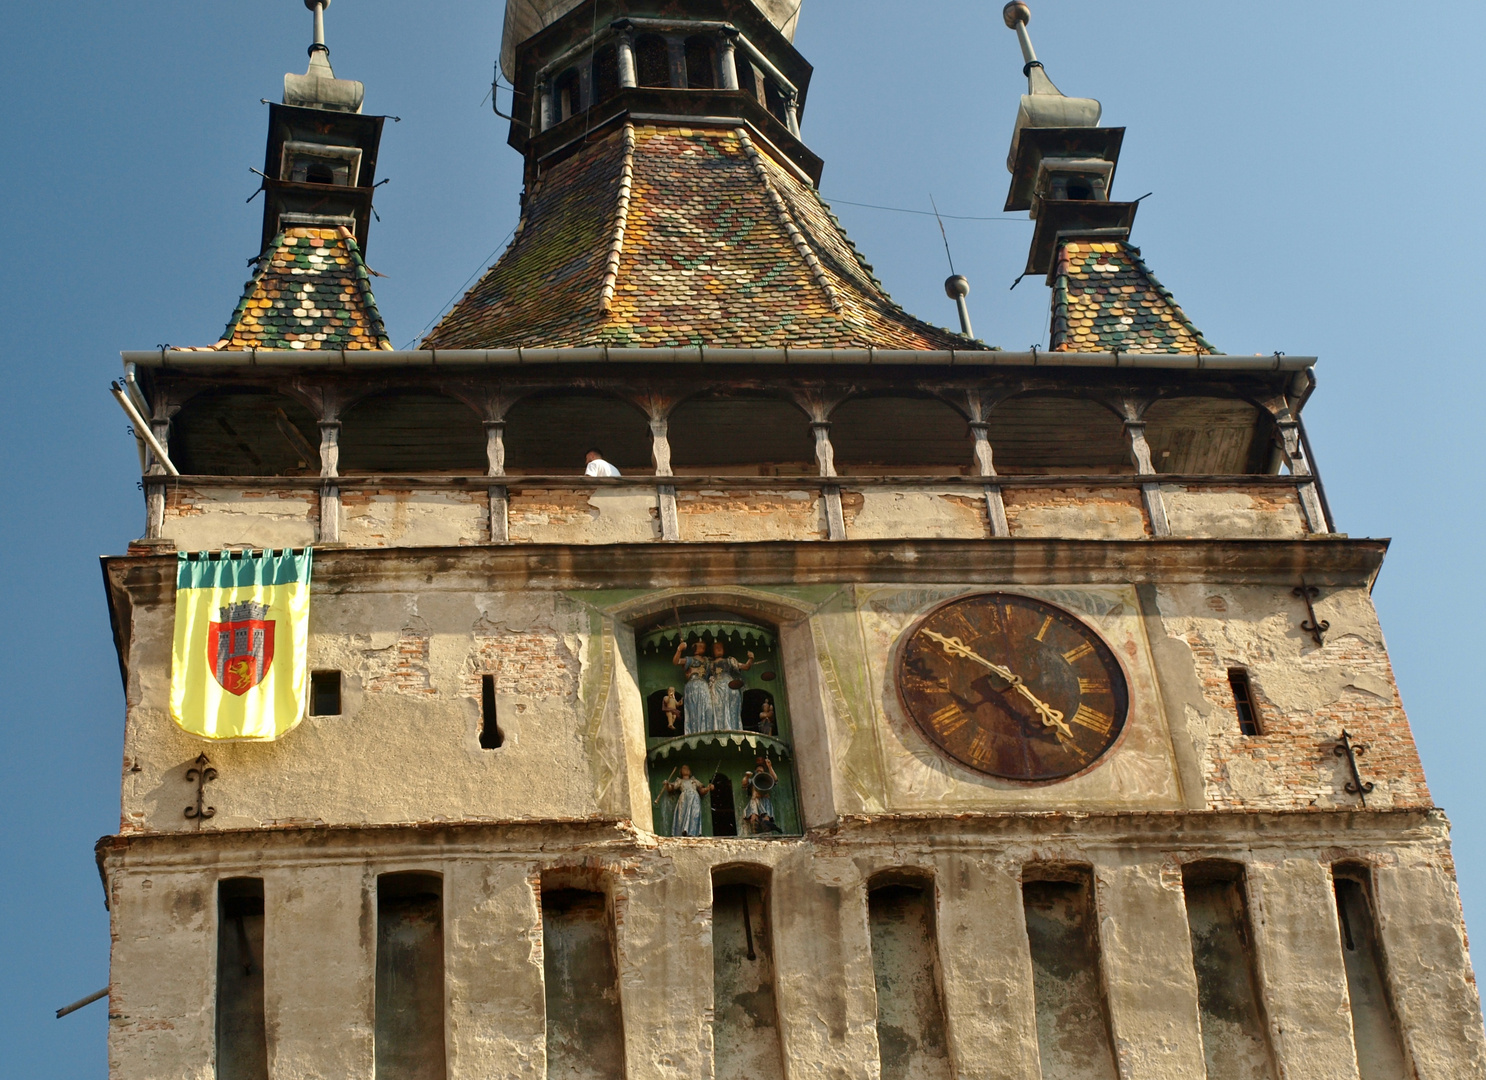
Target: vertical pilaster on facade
[
  {"x": 497, "y": 1007},
  {"x": 330, "y": 492},
  {"x": 664, "y": 941},
  {"x": 1298, "y": 944},
  {"x": 1428, "y": 965},
  {"x": 988, "y": 999},
  {"x": 161, "y": 1014},
  {"x": 1147, "y": 957},
  {"x": 826, "y": 989},
  {"x": 319, "y": 965},
  {"x": 985, "y": 461},
  {"x": 660, "y": 454},
  {"x": 1288, "y": 429},
  {"x": 1140, "y": 453},
  {"x": 500, "y": 500}
]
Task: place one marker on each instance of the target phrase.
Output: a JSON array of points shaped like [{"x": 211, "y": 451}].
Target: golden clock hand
[{"x": 1050, "y": 716}]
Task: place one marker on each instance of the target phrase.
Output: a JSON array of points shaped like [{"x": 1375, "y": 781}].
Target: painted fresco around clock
[
  {"x": 1013, "y": 687},
  {"x": 718, "y": 741}
]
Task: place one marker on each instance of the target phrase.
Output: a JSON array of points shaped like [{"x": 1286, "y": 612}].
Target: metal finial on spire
[
  {"x": 318, "y": 7},
  {"x": 1017, "y": 16}
]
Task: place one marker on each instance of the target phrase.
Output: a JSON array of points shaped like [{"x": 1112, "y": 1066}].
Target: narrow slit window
[
  {"x": 242, "y": 1039},
  {"x": 325, "y": 693},
  {"x": 1380, "y": 1052},
  {"x": 491, "y": 736},
  {"x": 1243, "y": 700}
]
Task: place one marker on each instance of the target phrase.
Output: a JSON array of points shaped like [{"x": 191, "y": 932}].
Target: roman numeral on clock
[
  {"x": 1073, "y": 656},
  {"x": 1046, "y": 623},
  {"x": 1092, "y": 686},
  {"x": 1093, "y": 719},
  {"x": 949, "y": 719}
]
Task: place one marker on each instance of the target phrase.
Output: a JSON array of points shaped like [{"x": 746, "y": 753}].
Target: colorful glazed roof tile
[
  {"x": 311, "y": 291},
  {"x": 1105, "y": 299},
  {"x": 673, "y": 236}
]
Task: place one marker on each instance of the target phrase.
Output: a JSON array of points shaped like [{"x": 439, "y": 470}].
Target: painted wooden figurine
[
  {"x": 687, "y": 818},
  {"x": 727, "y": 688},
  {"x": 671, "y": 706},
  {"x": 759, "y": 783},
  {"x": 698, "y": 693}
]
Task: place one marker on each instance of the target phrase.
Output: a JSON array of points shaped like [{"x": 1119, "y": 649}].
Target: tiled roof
[
  {"x": 673, "y": 236},
  {"x": 311, "y": 291},
  {"x": 1106, "y": 299}
]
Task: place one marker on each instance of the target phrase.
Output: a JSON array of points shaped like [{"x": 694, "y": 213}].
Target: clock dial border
[{"x": 1109, "y": 662}]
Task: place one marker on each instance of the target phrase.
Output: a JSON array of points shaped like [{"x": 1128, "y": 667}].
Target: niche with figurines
[{"x": 719, "y": 751}]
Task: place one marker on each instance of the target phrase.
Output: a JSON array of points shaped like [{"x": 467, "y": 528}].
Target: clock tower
[{"x": 715, "y": 670}]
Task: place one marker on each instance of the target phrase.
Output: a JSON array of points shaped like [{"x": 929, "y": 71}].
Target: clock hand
[{"x": 1050, "y": 716}]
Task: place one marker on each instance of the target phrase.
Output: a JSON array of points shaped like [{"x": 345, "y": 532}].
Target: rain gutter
[{"x": 186, "y": 359}]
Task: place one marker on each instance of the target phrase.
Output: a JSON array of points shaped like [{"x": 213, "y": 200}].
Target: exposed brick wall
[
  {"x": 536, "y": 664},
  {"x": 401, "y": 668}
]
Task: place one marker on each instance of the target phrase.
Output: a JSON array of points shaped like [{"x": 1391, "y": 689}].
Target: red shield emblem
[{"x": 240, "y": 647}]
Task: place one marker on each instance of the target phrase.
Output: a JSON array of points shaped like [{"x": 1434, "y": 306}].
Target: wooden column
[
  {"x": 624, "y": 47},
  {"x": 1140, "y": 453},
  {"x": 500, "y": 501},
  {"x": 728, "y": 59},
  {"x": 154, "y": 493},
  {"x": 1288, "y": 430},
  {"x": 792, "y": 114},
  {"x": 995, "y": 505},
  {"x": 825, "y": 458},
  {"x": 665, "y": 494},
  {"x": 330, "y": 492}
]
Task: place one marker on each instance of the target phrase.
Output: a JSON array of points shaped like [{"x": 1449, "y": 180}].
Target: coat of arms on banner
[{"x": 240, "y": 647}]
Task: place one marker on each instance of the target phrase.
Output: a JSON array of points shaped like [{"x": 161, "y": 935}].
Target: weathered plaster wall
[
  {"x": 392, "y": 518},
  {"x": 202, "y": 518},
  {"x": 1306, "y": 694},
  {"x": 882, "y": 513},
  {"x": 207, "y": 519},
  {"x": 320, "y": 894},
  {"x": 1261, "y": 513},
  {"x": 750, "y": 515},
  {"x": 1102, "y": 514},
  {"x": 584, "y": 516},
  {"x": 413, "y": 651}
]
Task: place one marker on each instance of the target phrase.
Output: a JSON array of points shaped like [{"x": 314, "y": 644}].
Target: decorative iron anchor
[
  {"x": 1315, "y": 627},
  {"x": 1350, "y": 750},
  {"x": 200, "y": 774}
]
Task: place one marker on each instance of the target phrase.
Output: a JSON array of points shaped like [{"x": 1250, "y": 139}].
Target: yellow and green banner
[{"x": 240, "y": 667}]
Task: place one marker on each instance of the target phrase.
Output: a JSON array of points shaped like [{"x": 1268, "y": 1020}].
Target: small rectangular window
[
  {"x": 325, "y": 693},
  {"x": 491, "y": 736},
  {"x": 1243, "y": 698}
]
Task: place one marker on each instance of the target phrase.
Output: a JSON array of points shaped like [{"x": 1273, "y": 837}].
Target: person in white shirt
[{"x": 597, "y": 466}]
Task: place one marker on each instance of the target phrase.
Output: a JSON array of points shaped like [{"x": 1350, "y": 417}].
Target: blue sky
[{"x": 1315, "y": 168}]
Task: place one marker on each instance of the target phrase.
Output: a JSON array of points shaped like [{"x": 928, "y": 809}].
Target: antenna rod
[{"x": 1017, "y": 15}]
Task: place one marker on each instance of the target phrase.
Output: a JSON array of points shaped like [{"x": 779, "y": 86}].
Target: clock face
[{"x": 1011, "y": 687}]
